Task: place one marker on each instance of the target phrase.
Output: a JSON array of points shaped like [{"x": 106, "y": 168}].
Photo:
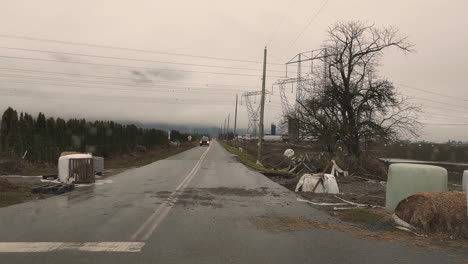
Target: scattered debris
[
  {"x": 320, "y": 204},
  {"x": 317, "y": 183},
  {"x": 54, "y": 189},
  {"x": 342, "y": 208},
  {"x": 50, "y": 177},
  {"x": 358, "y": 204},
  {"x": 289, "y": 153},
  {"x": 402, "y": 223},
  {"x": 336, "y": 170}
]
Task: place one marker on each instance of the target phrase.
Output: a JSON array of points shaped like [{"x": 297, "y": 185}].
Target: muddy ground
[
  {"x": 190, "y": 197},
  {"x": 356, "y": 188}
]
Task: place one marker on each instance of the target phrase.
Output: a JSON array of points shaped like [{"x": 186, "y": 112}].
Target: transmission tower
[
  {"x": 253, "y": 110},
  {"x": 299, "y": 82}
]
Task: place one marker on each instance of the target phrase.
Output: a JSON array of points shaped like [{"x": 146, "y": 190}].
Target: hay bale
[{"x": 436, "y": 212}]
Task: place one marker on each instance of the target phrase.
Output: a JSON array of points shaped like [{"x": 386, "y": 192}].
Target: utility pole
[
  {"x": 227, "y": 135},
  {"x": 235, "y": 119},
  {"x": 224, "y": 130},
  {"x": 262, "y": 108}
]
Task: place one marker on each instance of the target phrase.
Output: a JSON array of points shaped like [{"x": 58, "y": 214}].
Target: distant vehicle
[{"x": 205, "y": 141}]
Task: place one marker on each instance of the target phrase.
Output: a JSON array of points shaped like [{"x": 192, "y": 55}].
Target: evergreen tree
[{"x": 44, "y": 138}]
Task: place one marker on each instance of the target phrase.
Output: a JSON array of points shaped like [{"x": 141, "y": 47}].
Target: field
[
  {"x": 17, "y": 188},
  {"x": 363, "y": 188}
]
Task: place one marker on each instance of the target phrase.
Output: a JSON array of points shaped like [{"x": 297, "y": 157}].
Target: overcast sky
[{"x": 168, "y": 88}]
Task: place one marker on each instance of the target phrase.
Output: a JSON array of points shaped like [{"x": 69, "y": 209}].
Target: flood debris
[
  {"x": 289, "y": 153},
  {"x": 50, "y": 177},
  {"x": 336, "y": 170},
  {"x": 358, "y": 204},
  {"x": 53, "y": 188},
  {"x": 320, "y": 204},
  {"x": 317, "y": 183}
]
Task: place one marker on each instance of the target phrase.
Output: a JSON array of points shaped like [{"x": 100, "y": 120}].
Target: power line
[
  {"x": 430, "y": 92},
  {"x": 129, "y": 49},
  {"x": 310, "y": 21},
  {"x": 440, "y": 102},
  {"x": 133, "y": 59},
  {"x": 159, "y": 89},
  {"x": 132, "y": 67},
  {"x": 444, "y": 124},
  {"x": 100, "y": 83},
  {"x": 121, "y": 78},
  {"x": 445, "y": 117},
  {"x": 447, "y": 109},
  {"x": 106, "y": 99}
]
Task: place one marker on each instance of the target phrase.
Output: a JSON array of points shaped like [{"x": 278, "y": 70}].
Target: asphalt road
[{"x": 200, "y": 206}]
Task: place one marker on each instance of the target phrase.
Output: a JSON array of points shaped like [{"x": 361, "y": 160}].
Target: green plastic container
[{"x": 407, "y": 179}]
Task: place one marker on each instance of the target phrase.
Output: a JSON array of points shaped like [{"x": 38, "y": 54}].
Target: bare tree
[{"x": 346, "y": 99}]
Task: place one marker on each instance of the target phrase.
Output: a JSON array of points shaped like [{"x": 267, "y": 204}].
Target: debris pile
[
  {"x": 317, "y": 183},
  {"x": 302, "y": 163}
]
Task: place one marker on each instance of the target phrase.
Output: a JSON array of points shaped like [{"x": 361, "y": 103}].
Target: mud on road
[{"x": 212, "y": 197}]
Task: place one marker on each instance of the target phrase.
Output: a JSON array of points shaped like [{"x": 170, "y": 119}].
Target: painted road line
[
  {"x": 173, "y": 200},
  {"x": 37, "y": 247},
  {"x": 163, "y": 210}
]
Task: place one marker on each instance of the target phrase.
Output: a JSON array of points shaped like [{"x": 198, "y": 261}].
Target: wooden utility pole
[
  {"x": 227, "y": 134},
  {"x": 235, "y": 119},
  {"x": 262, "y": 109},
  {"x": 224, "y": 130}
]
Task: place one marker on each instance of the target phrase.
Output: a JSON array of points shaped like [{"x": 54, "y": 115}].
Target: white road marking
[
  {"x": 20, "y": 176},
  {"x": 37, "y": 247},
  {"x": 156, "y": 217}
]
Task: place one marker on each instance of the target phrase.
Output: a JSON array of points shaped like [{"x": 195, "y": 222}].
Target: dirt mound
[
  {"x": 6, "y": 186},
  {"x": 436, "y": 212}
]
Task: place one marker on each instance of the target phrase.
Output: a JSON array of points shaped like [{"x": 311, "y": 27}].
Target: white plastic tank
[
  {"x": 98, "y": 165},
  {"x": 63, "y": 165}
]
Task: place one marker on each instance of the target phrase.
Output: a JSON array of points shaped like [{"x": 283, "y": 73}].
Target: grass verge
[
  {"x": 362, "y": 216},
  {"x": 250, "y": 161},
  {"x": 145, "y": 158},
  {"x": 19, "y": 191}
]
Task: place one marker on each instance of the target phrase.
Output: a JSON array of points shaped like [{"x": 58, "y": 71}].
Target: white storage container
[{"x": 63, "y": 166}]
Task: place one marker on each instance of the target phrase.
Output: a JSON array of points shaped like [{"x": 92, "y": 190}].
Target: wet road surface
[{"x": 200, "y": 206}]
